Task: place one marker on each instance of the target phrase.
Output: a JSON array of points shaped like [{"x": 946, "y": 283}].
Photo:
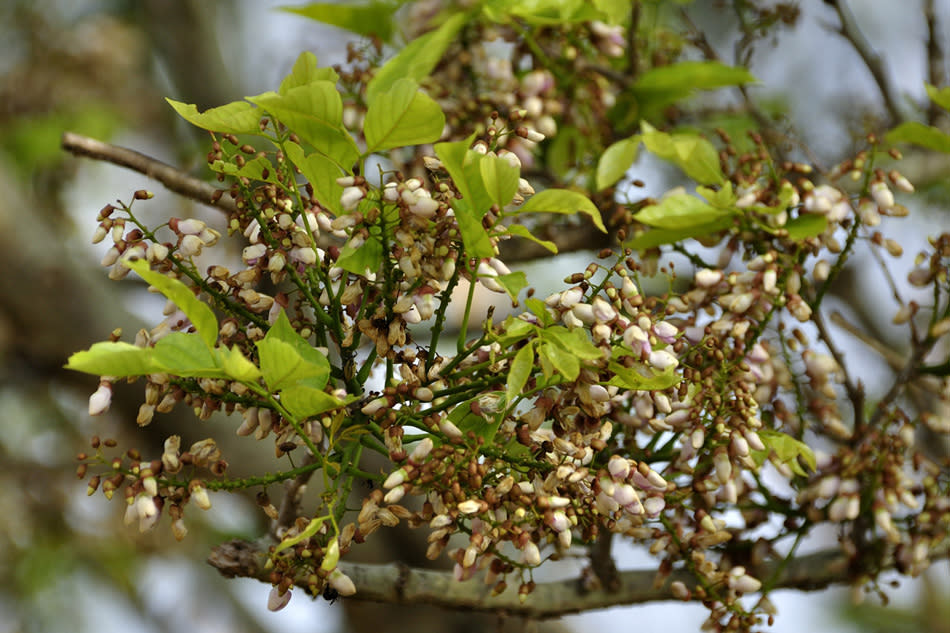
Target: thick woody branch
[
  {"x": 174, "y": 179},
  {"x": 399, "y": 584}
]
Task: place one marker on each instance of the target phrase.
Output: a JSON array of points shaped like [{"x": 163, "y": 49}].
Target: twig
[
  {"x": 395, "y": 584},
  {"x": 855, "y": 391},
  {"x": 174, "y": 179},
  {"x": 850, "y": 31},
  {"x": 935, "y": 59}
]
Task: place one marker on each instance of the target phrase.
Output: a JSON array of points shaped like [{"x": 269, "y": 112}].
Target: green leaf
[
  {"x": 631, "y": 378},
  {"x": 186, "y": 355},
  {"x": 306, "y": 71},
  {"x": 418, "y": 58},
  {"x": 253, "y": 169},
  {"x": 616, "y": 160},
  {"x": 287, "y": 359},
  {"x": 307, "y": 532},
  {"x": 374, "y": 18},
  {"x": 402, "y": 116},
  {"x": 236, "y": 365},
  {"x": 462, "y": 165},
  {"x": 542, "y": 12},
  {"x": 305, "y": 400},
  {"x": 694, "y": 155},
  {"x": 113, "y": 359},
  {"x": 198, "y": 312},
  {"x": 919, "y": 134},
  {"x": 462, "y": 417},
  {"x": 538, "y": 309},
  {"x": 940, "y": 96},
  {"x": 368, "y": 257},
  {"x": 805, "y": 226},
  {"x": 680, "y": 211},
  {"x": 314, "y": 112},
  {"x": 658, "y": 237},
  {"x": 564, "y": 362},
  {"x": 322, "y": 174},
  {"x": 521, "y": 231},
  {"x": 574, "y": 341},
  {"x": 519, "y": 372},
  {"x": 562, "y": 201},
  {"x": 514, "y": 330},
  {"x": 513, "y": 283},
  {"x": 788, "y": 450},
  {"x": 685, "y": 77},
  {"x": 237, "y": 117},
  {"x": 500, "y": 179},
  {"x": 474, "y": 236}
]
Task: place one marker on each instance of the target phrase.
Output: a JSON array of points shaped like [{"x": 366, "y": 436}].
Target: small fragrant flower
[
  {"x": 277, "y": 600},
  {"x": 531, "y": 555},
  {"x": 662, "y": 359},
  {"x": 99, "y": 401},
  {"x": 469, "y": 506},
  {"x": 350, "y": 198},
  {"x": 882, "y": 195}
]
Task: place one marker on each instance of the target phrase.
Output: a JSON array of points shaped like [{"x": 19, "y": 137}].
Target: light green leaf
[
  {"x": 694, "y": 155},
  {"x": 500, "y": 179},
  {"x": 373, "y": 18},
  {"x": 305, "y": 400},
  {"x": 236, "y": 365},
  {"x": 542, "y": 12},
  {"x": 940, "y": 96},
  {"x": 514, "y": 330},
  {"x": 402, "y": 116},
  {"x": 538, "y": 309},
  {"x": 418, "y": 58},
  {"x": 787, "y": 450},
  {"x": 368, "y": 257},
  {"x": 616, "y": 160},
  {"x": 476, "y": 240},
  {"x": 307, "y": 532},
  {"x": 315, "y": 113},
  {"x": 513, "y": 283},
  {"x": 522, "y": 231},
  {"x": 685, "y": 77},
  {"x": 259, "y": 168},
  {"x": 574, "y": 341},
  {"x": 198, "y": 312},
  {"x": 462, "y": 417},
  {"x": 113, "y": 359},
  {"x": 186, "y": 355},
  {"x": 658, "y": 237},
  {"x": 919, "y": 134},
  {"x": 805, "y": 226},
  {"x": 519, "y": 372},
  {"x": 286, "y": 358},
  {"x": 564, "y": 362},
  {"x": 680, "y": 211},
  {"x": 562, "y": 201},
  {"x": 306, "y": 71},
  {"x": 322, "y": 174},
  {"x": 462, "y": 165},
  {"x": 237, "y": 117},
  {"x": 631, "y": 378}
]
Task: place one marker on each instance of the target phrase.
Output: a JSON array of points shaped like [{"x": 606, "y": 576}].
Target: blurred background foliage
[{"x": 101, "y": 68}]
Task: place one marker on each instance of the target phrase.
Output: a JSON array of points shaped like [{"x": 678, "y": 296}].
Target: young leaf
[
  {"x": 418, "y": 58},
  {"x": 307, "y": 532},
  {"x": 306, "y": 71},
  {"x": 369, "y": 257},
  {"x": 513, "y": 283},
  {"x": 538, "y": 309},
  {"x": 694, "y": 155},
  {"x": 186, "y": 355},
  {"x": 630, "y": 378},
  {"x": 616, "y": 160},
  {"x": 253, "y": 169},
  {"x": 402, "y": 116},
  {"x": 198, "y": 312},
  {"x": 287, "y": 359},
  {"x": 562, "y": 201},
  {"x": 680, "y": 211},
  {"x": 659, "y": 237},
  {"x": 315, "y": 113},
  {"x": 305, "y": 400},
  {"x": 574, "y": 341},
  {"x": 236, "y": 365},
  {"x": 237, "y": 117},
  {"x": 500, "y": 179},
  {"x": 805, "y": 226},
  {"x": 113, "y": 359},
  {"x": 564, "y": 362},
  {"x": 514, "y": 330},
  {"x": 788, "y": 450},
  {"x": 372, "y": 19},
  {"x": 463, "y": 165},
  {"x": 940, "y": 96},
  {"x": 919, "y": 134},
  {"x": 322, "y": 174},
  {"x": 519, "y": 372},
  {"x": 522, "y": 231}
]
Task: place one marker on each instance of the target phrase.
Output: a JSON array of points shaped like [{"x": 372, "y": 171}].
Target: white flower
[
  {"x": 350, "y": 198},
  {"x": 662, "y": 359},
  {"x": 100, "y": 400}
]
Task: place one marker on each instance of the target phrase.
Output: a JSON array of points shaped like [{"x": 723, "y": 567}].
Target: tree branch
[
  {"x": 850, "y": 31},
  {"x": 174, "y": 179},
  {"x": 395, "y": 583}
]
